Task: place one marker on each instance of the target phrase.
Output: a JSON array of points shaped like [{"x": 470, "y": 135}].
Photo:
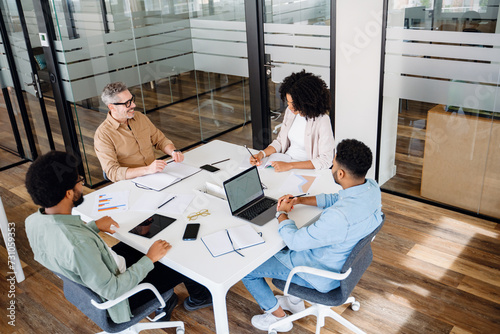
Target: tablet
[{"x": 152, "y": 226}]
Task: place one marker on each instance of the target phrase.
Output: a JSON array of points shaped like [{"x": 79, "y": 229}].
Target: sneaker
[
  {"x": 287, "y": 305},
  {"x": 190, "y": 305},
  {"x": 170, "y": 304},
  {"x": 263, "y": 321}
]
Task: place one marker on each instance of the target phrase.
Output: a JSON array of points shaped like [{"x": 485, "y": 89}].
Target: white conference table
[{"x": 191, "y": 258}]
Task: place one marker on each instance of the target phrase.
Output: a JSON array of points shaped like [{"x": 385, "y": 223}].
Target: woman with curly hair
[{"x": 306, "y": 133}]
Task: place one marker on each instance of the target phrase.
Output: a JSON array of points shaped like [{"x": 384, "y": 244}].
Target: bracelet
[{"x": 263, "y": 153}]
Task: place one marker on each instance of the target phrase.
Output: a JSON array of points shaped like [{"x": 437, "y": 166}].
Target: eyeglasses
[
  {"x": 81, "y": 179},
  {"x": 195, "y": 215},
  {"x": 127, "y": 103}
]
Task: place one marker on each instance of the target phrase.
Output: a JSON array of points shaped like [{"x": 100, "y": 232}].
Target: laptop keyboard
[{"x": 257, "y": 208}]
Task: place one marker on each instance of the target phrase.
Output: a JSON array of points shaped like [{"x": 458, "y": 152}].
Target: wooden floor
[
  {"x": 434, "y": 271},
  {"x": 410, "y": 142}
]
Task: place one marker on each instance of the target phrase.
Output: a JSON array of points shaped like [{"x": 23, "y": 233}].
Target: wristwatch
[{"x": 281, "y": 212}]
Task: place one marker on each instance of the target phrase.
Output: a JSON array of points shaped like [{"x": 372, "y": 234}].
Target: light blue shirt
[{"x": 348, "y": 217}]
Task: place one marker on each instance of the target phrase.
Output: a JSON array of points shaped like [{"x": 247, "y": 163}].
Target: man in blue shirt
[{"x": 348, "y": 216}]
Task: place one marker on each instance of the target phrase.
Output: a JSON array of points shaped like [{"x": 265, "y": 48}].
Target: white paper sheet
[
  {"x": 151, "y": 203},
  {"x": 110, "y": 202},
  {"x": 296, "y": 184},
  {"x": 176, "y": 206}
]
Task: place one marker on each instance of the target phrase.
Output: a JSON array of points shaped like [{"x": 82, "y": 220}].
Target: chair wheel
[
  {"x": 179, "y": 331},
  {"x": 355, "y": 306}
]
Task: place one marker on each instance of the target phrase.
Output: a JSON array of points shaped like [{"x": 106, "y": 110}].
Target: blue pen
[{"x": 167, "y": 202}]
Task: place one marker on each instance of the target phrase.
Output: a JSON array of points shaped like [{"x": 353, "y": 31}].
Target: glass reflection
[
  {"x": 440, "y": 135},
  {"x": 450, "y": 15}
]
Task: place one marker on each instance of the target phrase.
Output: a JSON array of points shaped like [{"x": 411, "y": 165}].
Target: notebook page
[
  {"x": 244, "y": 236},
  {"x": 157, "y": 181},
  {"x": 180, "y": 170},
  {"x": 218, "y": 243}
]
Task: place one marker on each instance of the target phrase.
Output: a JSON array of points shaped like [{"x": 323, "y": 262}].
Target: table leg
[{"x": 220, "y": 311}]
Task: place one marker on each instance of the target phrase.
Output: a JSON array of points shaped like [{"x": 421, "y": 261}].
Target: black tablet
[{"x": 152, "y": 226}]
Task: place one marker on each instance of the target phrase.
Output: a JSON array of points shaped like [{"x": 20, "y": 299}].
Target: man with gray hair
[{"x": 124, "y": 141}]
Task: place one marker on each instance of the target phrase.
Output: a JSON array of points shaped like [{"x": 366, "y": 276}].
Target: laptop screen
[{"x": 243, "y": 188}]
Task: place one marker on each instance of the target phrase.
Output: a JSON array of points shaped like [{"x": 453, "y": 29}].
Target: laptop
[{"x": 246, "y": 198}]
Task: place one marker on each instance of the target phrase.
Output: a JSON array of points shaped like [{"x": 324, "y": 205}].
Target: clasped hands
[
  {"x": 157, "y": 250},
  {"x": 286, "y": 202}
]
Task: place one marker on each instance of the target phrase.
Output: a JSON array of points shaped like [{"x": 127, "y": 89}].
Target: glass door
[
  {"x": 296, "y": 37},
  {"x": 25, "y": 125}
]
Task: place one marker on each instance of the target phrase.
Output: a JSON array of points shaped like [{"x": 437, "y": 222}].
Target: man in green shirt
[{"x": 65, "y": 244}]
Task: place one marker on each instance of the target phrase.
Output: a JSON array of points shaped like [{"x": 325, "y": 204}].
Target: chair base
[
  {"x": 135, "y": 329},
  {"x": 321, "y": 311}
]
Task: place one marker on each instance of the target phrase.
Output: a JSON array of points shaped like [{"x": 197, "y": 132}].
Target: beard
[
  {"x": 78, "y": 201},
  {"x": 335, "y": 177}
]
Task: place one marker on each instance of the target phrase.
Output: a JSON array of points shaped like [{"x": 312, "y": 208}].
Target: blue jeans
[{"x": 257, "y": 285}]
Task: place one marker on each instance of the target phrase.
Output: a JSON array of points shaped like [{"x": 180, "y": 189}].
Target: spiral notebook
[{"x": 231, "y": 240}]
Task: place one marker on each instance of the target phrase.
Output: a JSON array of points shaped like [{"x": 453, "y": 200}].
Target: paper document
[
  {"x": 171, "y": 174},
  {"x": 110, "y": 202},
  {"x": 219, "y": 243},
  {"x": 296, "y": 184},
  {"x": 266, "y": 162},
  {"x": 176, "y": 205}
]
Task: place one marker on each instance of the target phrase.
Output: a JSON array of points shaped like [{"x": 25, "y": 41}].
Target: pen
[
  {"x": 250, "y": 153},
  {"x": 218, "y": 162},
  {"x": 301, "y": 195},
  {"x": 232, "y": 245},
  {"x": 167, "y": 202},
  {"x": 170, "y": 161}
]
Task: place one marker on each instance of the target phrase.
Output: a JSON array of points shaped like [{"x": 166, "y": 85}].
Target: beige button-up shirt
[{"x": 120, "y": 146}]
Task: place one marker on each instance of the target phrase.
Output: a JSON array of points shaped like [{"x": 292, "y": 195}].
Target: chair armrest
[
  {"x": 133, "y": 291},
  {"x": 314, "y": 271}
]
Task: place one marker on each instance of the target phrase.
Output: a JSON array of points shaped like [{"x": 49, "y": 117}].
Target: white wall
[{"x": 359, "y": 31}]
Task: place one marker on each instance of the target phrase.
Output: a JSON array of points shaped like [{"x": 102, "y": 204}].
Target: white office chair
[
  {"x": 356, "y": 264},
  {"x": 85, "y": 300}
]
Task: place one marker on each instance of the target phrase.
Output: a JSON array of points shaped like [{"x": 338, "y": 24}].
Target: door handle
[{"x": 36, "y": 85}]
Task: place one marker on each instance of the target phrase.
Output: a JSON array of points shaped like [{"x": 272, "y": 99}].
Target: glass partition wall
[
  {"x": 440, "y": 138},
  {"x": 184, "y": 61},
  {"x": 25, "y": 128}
]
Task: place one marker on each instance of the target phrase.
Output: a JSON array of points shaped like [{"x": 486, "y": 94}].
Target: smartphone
[
  {"x": 210, "y": 168},
  {"x": 191, "y": 232}
]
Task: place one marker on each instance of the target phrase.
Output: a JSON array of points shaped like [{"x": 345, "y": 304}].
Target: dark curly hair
[
  {"x": 50, "y": 176},
  {"x": 354, "y": 156},
  {"x": 309, "y": 93}
]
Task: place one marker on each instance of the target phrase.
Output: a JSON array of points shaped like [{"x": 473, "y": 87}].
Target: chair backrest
[
  {"x": 359, "y": 260},
  {"x": 80, "y": 296}
]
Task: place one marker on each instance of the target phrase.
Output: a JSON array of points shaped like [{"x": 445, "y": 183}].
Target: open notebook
[
  {"x": 171, "y": 174},
  {"x": 231, "y": 240}
]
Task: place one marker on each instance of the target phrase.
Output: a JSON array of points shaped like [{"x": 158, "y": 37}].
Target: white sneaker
[
  {"x": 287, "y": 305},
  {"x": 263, "y": 321}
]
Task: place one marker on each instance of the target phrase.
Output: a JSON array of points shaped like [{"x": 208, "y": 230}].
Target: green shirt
[{"x": 66, "y": 245}]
